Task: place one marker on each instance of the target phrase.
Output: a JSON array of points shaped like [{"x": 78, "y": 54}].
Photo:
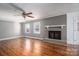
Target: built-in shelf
[{"x": 55, "y": 26}]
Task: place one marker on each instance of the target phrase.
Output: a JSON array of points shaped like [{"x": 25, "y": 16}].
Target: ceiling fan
[{"x": 23, "y": 14}]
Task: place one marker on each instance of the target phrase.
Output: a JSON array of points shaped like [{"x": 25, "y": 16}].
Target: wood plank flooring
[{"x": 34, "y": 47}]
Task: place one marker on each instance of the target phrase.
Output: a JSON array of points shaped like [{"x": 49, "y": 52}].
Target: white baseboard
[
  {"x": 34, "y": 37},
  {"x": 45, "y": 39},
  {"x": 10, "y": 38},
  {"x": 49, "y": 40}
]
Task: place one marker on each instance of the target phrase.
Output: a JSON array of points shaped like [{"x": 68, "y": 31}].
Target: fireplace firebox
[{"x": 54, "y": 35}]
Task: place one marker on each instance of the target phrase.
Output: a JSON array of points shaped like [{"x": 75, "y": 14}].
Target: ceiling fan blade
[
  {"x": 30, "y": 16},
  {"x": 29, "y": 13},
  {"x": 13, "y": 5}
]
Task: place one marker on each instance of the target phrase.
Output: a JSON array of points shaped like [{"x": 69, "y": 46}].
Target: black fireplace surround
[{"x": 54, "y": 35}]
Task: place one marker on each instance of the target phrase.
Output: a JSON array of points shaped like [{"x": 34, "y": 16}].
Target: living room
[{"x": 39, "y": 29}]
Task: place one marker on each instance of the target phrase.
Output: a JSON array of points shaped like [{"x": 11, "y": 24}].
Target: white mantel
[{"x": 55, "y": 26}]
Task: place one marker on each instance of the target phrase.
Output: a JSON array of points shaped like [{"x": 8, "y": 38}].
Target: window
[
  {"x": 36, "y": 27},
  {"x": 27, "y": 28}
]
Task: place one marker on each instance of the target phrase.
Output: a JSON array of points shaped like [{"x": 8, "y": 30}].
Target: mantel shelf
[{"x": 55, "y": 26}]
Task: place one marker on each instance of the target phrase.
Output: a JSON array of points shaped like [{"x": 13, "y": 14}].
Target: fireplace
[{"x": 54, "y": 35}]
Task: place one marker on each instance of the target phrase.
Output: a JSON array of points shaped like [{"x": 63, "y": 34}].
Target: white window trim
[
  {"x": 34, "y": 25},
  {"x": 26, "y": 27}
]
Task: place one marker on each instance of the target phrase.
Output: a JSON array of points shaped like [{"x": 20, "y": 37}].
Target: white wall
[
  {"x": 17, "y": 28},
  {"x": 9, "y": 29}
]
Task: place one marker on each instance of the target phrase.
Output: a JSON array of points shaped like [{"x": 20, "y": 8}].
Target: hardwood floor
[{"x": 34, "y": 47}]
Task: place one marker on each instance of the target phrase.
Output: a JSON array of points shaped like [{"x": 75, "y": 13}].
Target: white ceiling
[{"x": 40, "y": 10}]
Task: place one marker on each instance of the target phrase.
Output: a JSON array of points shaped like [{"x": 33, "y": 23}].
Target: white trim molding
[
  {"x": 34, "y": 37},
  {"x": 63, "y": 42},
  {"x": 10, "y": 38},
  {"x": 45, "y": 39}
]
